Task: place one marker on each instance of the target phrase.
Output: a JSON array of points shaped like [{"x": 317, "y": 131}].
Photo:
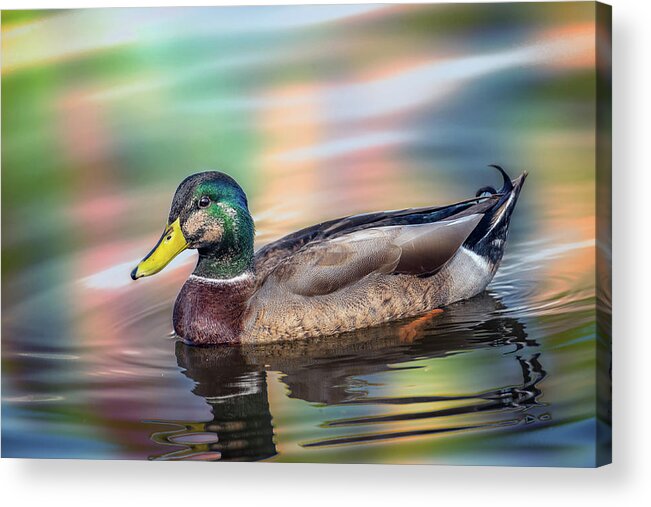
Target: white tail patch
[{"x": 478, "y": 260}]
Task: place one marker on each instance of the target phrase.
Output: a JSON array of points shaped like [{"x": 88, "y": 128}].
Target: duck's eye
[{"x": 204, "y": 202}]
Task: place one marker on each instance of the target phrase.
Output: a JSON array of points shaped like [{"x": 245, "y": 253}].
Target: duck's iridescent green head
[{"x": 210, "y": 213}]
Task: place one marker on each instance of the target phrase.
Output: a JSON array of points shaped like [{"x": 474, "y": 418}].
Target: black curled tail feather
[
  {"x": 508, "y": 184},
  {"x": 489, "y": 237}
]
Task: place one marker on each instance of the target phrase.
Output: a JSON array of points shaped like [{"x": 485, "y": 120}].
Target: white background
[{"x": 626, "y": 482}]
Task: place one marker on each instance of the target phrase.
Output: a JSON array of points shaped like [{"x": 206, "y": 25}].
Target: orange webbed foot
[{"x": 409, "y": 332}]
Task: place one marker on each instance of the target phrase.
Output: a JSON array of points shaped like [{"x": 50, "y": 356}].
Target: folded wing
[
  {"x": 326, "y": 266},
  {"x": 272, "y": 254}
]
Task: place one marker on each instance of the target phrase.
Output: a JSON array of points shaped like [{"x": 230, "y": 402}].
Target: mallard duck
[{"x": 337, "y": 276}]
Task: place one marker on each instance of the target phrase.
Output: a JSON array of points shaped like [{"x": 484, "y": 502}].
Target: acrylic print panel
[{"x": 473, "y": 329}]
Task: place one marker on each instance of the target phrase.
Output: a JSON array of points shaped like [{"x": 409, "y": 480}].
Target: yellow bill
[{"x": 170, "y": 244}]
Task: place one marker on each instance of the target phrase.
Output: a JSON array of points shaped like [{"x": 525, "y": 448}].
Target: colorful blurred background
[{"x": 319, "y": 112}]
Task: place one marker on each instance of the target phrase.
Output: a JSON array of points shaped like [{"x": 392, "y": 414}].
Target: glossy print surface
[{"x": 319, "y": 112}]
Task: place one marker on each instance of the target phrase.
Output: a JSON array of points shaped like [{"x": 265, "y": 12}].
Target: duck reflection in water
[
  {"x": 327, "y": 371},
  {"x": 236, "y": 391}
]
